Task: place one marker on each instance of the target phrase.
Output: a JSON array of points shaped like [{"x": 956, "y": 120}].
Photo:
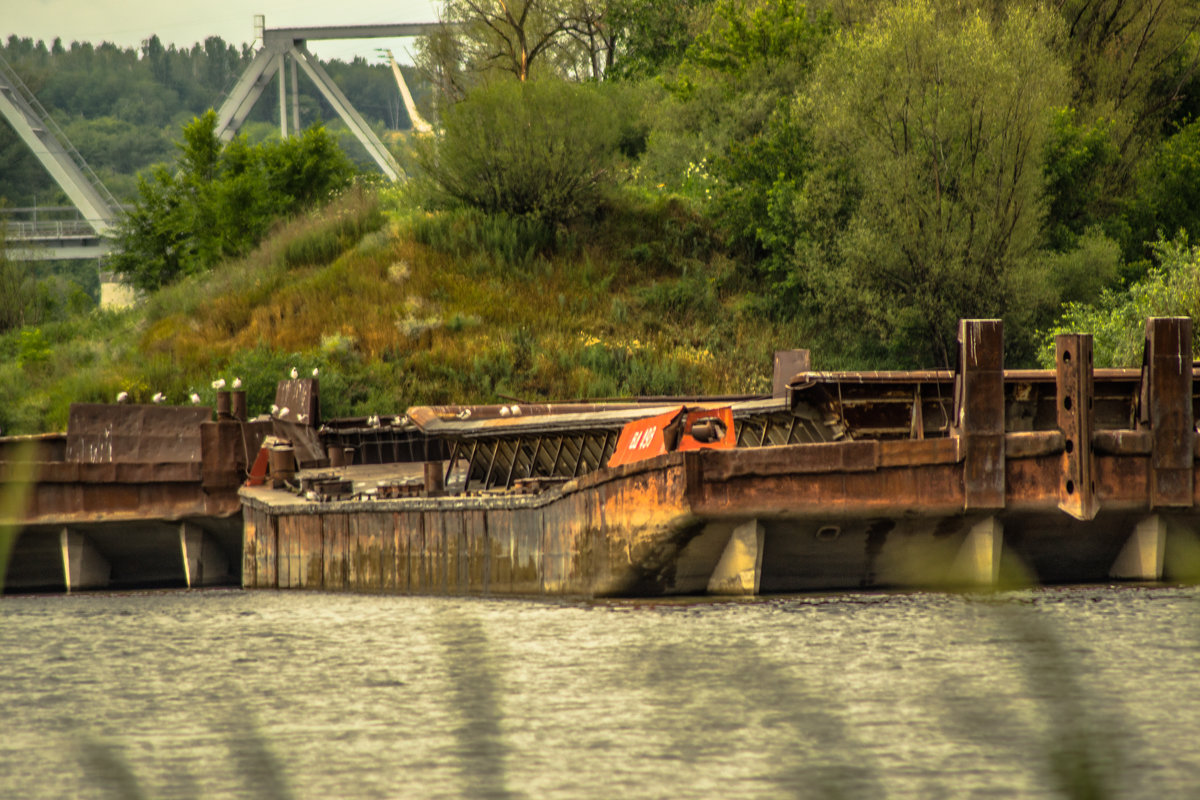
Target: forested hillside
[{"x": 624, "y": 196}]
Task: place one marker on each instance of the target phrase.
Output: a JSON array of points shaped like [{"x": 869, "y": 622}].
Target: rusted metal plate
[
  {"x": 266, "y": 566},
  {"x": 300, "y": 396},
  {"x": 1074, "y": 402},
  {"x": 1122, "y": 442},
  {"x": 788, "y": 364},
  {"x": 1032, "y": 444},
  {"x": 223, "y": 454},
  {"x": 908, "y": 453},
  {"x": 333, "y": 544},
  {"x": 648, "y": 437},
  {"x": 100, "y": 433},
  {"x": 310, "y": 452},
  {"x": 1168, "y": 395},
  {"x": 252, "y": 518}
]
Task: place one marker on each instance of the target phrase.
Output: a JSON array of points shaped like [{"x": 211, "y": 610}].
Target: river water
[{"x": 198, "y": 694}]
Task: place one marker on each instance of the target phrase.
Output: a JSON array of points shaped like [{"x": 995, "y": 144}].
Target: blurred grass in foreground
[{"x": 16, "y": 478}]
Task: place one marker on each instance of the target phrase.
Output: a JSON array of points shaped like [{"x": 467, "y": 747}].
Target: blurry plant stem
[{"x": 16, "y": 480}]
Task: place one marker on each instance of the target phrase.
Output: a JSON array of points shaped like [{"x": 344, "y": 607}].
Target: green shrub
[
  {"x": 220, "y": 200},
  {"x": 542, "y": 149},
  {"x": 1117, "y": 321}
]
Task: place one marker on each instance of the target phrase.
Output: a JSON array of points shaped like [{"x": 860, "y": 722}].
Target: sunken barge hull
[{"x": 977, "y": 477}]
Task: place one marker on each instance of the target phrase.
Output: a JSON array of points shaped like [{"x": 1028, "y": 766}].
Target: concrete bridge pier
[
  {"x": 739, "y": 570},
  {"x": 204, "y": 562},
  {"x": 1141, "y": 558},
  {"x": 977, "y": 563},
  {"x": 83, "y": 565}
]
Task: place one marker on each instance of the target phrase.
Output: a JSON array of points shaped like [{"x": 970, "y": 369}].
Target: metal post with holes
[{"x": 1074, "y": 380}]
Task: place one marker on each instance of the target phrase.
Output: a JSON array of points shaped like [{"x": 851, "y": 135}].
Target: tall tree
[
  {"x": 507, "y": 36},
  {"x": 931, "y": 128}
]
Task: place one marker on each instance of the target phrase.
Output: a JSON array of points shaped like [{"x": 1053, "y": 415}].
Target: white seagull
[
  {"x": 195, "y": 399},
  {"x": 123, "y": 397},
  {"x": 295, "y": 373},
  {"x": 158, "y": 397},
  {"x": 283, "y": 412},
  {"x": 237, "y": 383},
  {"x": 315, "y": 371},
  {"x": 219, "y": 384},
  {"x": 274, "y": 408}
]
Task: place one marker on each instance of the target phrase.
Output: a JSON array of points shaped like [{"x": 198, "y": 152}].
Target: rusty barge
[{"x": 970, "y": 477}]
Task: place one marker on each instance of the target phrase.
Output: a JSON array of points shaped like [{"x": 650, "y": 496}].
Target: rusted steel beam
[
  {"x": 450, "y": 463},
  {"x": 1167, "y": 392},
  {"x": 579, "y": 457},
  {"x": 487, "y": 476},
  {"x": 916, "y": 429},
  {"x": 512, "y": 465},
  {"x": 557, "y": 454},
  {"x": 1075, "y": 388},
  {"x": 980, "y": 415},
  {"x": 537, "y": 449}
]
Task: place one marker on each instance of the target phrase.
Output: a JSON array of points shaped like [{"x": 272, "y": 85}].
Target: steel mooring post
[
  {"x": 980, "y": 412},
  {"x": 1075, "y": 383},
  {"x": 1167, "y": 410}
]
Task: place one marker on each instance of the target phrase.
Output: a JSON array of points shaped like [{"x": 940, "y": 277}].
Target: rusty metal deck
[{"x": 919, "y": 478}]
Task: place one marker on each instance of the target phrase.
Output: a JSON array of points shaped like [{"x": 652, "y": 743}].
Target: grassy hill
[{"x": 398, "y": 307}]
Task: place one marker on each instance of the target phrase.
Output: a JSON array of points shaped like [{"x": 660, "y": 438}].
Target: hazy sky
[{"x": 184, "y": 22}]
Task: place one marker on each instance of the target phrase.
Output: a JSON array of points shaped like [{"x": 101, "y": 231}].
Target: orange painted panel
[{"x": 647, "y": 438}]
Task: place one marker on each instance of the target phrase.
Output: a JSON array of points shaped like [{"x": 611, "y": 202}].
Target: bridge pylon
[
  {"x": 271, "y": 60},
  {"x": 48, "y": 142}
]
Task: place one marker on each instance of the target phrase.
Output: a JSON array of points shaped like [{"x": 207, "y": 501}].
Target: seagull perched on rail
[
  {"x": 274, "y": 409},
  {"x": 315, "y": 371},
  {"x": 283, "y": 412},
  {"x": 237, "y": 383},
  {"x": 158, "y": 397},
  {"x": 295, "y": 373},
  {"x": 195, "y": 398},
  {"x": 302, "y": 418},
  {"x": 123, "y": 397},
  {"x": 219, "y": 384}
]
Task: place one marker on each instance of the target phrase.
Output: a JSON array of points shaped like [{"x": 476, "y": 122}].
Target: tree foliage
[
  {"x": 1117, "y": 319},
  {"x": 542, "y": 149},
  {"x": 220, "y": 200},
  {"x": 930, "y": 126}
]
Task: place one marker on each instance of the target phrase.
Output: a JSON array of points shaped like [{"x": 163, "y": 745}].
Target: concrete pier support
[
  {"x": 83, "y": 565},
  {"x": 977, "y": 563},
  {"x": 204, "y": 564},
  {"x": 1141, "y": 559},
  {"x": 739, "y": 570}
]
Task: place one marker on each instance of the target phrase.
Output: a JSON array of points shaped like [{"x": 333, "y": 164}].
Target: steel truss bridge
[{"x": 100, "y": 213}]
